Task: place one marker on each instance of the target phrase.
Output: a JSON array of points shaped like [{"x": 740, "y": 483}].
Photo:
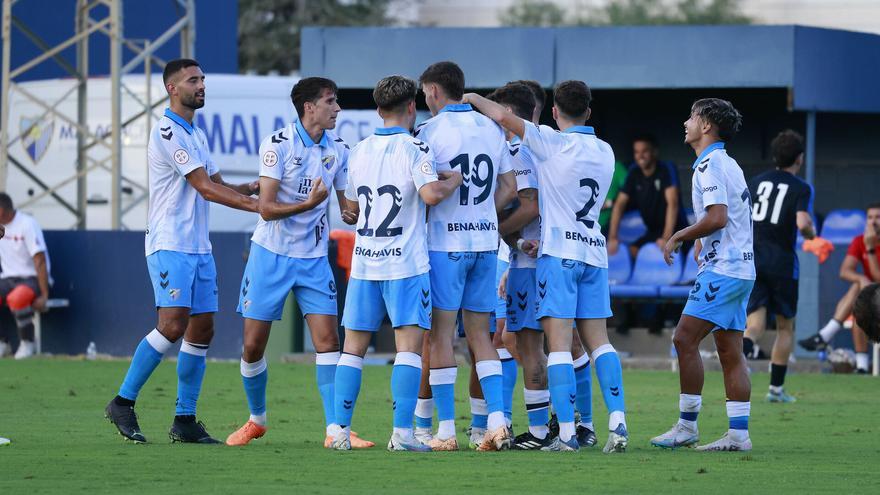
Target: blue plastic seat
[
  {"x": 842, "y": 225},
  {"x": 683, "y": 287},
  {"x": 631, "y": 227},
  {"x": 649, "y": 274},
  {"x": 619, "y": 266}
]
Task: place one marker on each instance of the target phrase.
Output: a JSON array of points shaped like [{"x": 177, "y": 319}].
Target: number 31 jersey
[
  {"x": 471, "y": 143},
  {"x": 574, "y": 173},
  {"x": 386, "y": 171}
]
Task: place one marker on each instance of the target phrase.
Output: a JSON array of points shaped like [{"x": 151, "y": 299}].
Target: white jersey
[
  {"x": 718, "y": 180},
  {"x": 178, "y": 214},
  {"x": 23, "y": 241},
  {"x": 474, "y": 145},
  {"x": 290, "y": 156},
  {"x": 526, "y": 178},
  {"x": 574, "y": 171},
  {"x": 385, "y": 173}
]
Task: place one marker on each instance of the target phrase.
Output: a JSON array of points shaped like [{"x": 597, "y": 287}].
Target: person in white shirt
[
  {"x": 24, "y": 274},
  {"x": 184, "y": 180},
  {"x": 574, "y": 172},
  {"x": 392, "y": 177},
  {"x": 299, "y": 165},
  {"x": 717, "y": 303},
  {"x": 462, "y": 247}
]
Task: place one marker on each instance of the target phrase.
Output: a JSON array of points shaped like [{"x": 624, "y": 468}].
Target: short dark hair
[
  {"x": 786, "y": 147},
  {"x": 873, "y": 206},
  {"x": 447, "y": 75},
  {"x": 517, "y": 96},
  {"x": 537, "y": 90},
  {"x": 646, "y": 138},
  {"x": 721, "y": 114},
  {"x": 174, "y": 66},
  {"x": 392, "y": 93},
  {"x": 6, "y": 202},
  {"x": 309, "y": 89},
  {"x": 572, "y": 98},
  {"x": 866, "y": 311}
]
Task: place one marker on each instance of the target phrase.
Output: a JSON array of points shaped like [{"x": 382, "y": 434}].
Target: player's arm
[
  {"x": 498, "y": 113},
  {"x": 614, "y": 225},
  {"x": 506, "y": 191},
  {"x": 217, "y": 193},
  {"x": 671, "y": 195},
  {"x": 436, "y": 191},
  {"x": 247, "y": 189},
  {"x": 714, "y": 220},
  {"x": 805, "y": 225},
  {"x": 347, "y": 208},
  {"x": 870, "y": 241},
  {"x": 272, "y": 209},
  {"x": 522, "y": 216},
  {"x": 849, "y": 271},
  {"x": 42, "y": 270}
]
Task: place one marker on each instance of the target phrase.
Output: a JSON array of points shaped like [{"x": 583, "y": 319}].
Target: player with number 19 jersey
[{"x": 463, "y": 229}]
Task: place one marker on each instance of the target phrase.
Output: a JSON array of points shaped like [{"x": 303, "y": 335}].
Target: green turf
[{"x": 53, "y": 412}]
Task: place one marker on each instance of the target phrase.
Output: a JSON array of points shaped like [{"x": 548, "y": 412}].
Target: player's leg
[
  {"x": 561, "y": 379},
  {"x": 325, "y": 338},
  {"x": 479, "y": 409},
  {"x": 756, "y": 322},
  {"x": 784, "y": 304},
  {"x": 584, "y": 403},
  {"x": 19, "y": 301},
  {"x": 530, "y": 344},
  {"x": 172, "y": 275},
  {"x": 254, "y": 378},
  {"x": 425, "y": 404},
  {"x": 509, "y": 368},
  {"x": 826, "y": 334},
  {"x": 191, "y": 364},
  {"x": 860, "y": 346}
]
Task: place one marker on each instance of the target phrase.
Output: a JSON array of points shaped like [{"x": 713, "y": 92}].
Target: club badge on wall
[{"x": 36, "y": 135}]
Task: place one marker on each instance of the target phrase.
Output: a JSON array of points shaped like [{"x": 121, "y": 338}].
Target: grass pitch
[{"x": 52, "y": 409}]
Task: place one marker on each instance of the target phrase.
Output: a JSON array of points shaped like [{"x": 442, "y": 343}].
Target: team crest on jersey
[
  {"x": 181, "y": 156},
  {"x": 246, "y": 304},
  {"x": 174, "y": 294},
  {"x": 36, "y": 134},
  {"x": 427, "y": 169},
  {"x": 270, "y": 158},
  {"x": 328, "y": 161}
]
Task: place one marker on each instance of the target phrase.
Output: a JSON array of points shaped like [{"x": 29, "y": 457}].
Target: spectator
[
  {"x": 24, "y": 281},
  {"x": 652, "y": 187},
  {"x": 862, "y": 250}
]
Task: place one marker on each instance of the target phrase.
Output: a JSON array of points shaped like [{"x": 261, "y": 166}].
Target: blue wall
[
  {"x": 104, "y": 274},
  {"x": 216, "y": 34}
]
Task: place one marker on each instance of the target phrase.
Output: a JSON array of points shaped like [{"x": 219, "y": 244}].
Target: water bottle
[
  {"x": 91, "y": 351},
  {"x": 823, "y": 355}
]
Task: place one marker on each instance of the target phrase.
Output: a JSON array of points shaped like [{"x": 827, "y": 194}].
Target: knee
[
  {"x": 682, "y": 341},
  {"x": 327, "y": 342},
  {"x": 173, "y": 329}
]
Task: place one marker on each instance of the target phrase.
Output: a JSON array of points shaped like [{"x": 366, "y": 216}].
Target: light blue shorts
[
  {"x": 720, "y": 299},
  {"x": 183, "y": 280},
  {"x": 500, "y": 302},
  {"x": 269, "y": 277},
  {"x": 464, "y": 280},
  {"x": 406, "y": 301},
  {"x": 521, "y": 304},
  {"x": 571, "y": 289}
]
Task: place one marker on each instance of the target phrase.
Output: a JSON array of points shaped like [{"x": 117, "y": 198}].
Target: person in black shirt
[
  {"x": 652, "y": 187},
  {"x": 781, "y": 206}
]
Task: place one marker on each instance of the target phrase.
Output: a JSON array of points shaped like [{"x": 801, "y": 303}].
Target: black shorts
[{"x": 778, "y": 294}]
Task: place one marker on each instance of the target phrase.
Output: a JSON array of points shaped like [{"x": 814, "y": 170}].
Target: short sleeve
[
  {"x": 35, "y": 242},
  {"x": 523, "y": 167},
  {"x": 506, "y": 164},
  {"x": 271, "y": 159},
  {"x": 174, "y": 144},
  {"x": 629, "y": 184},
  {"x": 544, "y": 141},
  {"x": 423, "y": 167},
  {"x": 805, "y": 199},
  {"x": 711, "y": 183},
  {"x": 350, "y": 193},
  {"x": 340, "y": 180},
  {"x": 857, "y": 247}
]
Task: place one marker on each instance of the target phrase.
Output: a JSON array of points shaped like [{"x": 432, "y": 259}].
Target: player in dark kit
[{"x": 783, "y": 205}]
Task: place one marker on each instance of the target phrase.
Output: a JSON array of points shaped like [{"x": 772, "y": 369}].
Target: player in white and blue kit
[
  {"x": 392, "y": 176},
  {"x": 717, "y": 303},
  {"x": 183, "y": 180},
  {"x": 462, "y": 245},
  {"x": 298, "y": 166},
  {"x": 574, "y": 172}
]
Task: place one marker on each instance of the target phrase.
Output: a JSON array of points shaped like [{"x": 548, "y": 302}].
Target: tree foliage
[{"x": 625, "y": 13}]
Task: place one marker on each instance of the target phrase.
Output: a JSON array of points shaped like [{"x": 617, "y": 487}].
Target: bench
[{"x": 50, "y": 304}]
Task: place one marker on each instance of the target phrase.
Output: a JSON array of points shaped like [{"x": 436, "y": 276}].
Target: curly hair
[{"x": 721, "y": 114}]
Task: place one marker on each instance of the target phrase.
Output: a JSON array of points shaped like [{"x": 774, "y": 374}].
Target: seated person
[
  {"x": 862, "y": 250},
  {"x": 24, "y": 281}
]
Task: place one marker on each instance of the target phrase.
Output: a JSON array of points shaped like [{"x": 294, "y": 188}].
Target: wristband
[{"x": 519, "y": 243}]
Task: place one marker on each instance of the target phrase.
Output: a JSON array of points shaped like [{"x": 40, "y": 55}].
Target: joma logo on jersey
[{"x": 305, "y": 185}]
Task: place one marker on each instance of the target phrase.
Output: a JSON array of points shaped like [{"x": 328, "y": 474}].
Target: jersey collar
[
  {"x": 179, "y": 121},
  {"x": 581, "y": 129},
  {"x": 717, "y": 145},
  {"x": 307, "y": 140},
  {"x": 388, "y": 131},
  {"x": 457, "y": 107},
  {"x": 515, "y": 140}
]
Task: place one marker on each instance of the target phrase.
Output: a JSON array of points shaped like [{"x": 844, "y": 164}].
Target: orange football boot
[
  {"x": 356, "y": 442},
  {"x": 243, "y": 436}
]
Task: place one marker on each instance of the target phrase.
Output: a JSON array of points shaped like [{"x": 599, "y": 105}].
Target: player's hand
[
  {"x": 672, "y": 246},
  {"x": 870, "y": 236},
  {"x": 466, "y": 98},
  {"x": 39, "y": 303},
  {"x": 613, "y": 246},
  {"x": 318, "y": 193},
  {"x": 350, "y": 217},
  {"x": 502, "y": 285},
  {"x": 530, "y": 247},
  {"x": 661, "y": 243},
  {"x": 254, "y": 188}
]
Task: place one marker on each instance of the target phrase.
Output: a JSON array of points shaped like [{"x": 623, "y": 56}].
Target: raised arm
[{"x": 498, "y": 113}]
